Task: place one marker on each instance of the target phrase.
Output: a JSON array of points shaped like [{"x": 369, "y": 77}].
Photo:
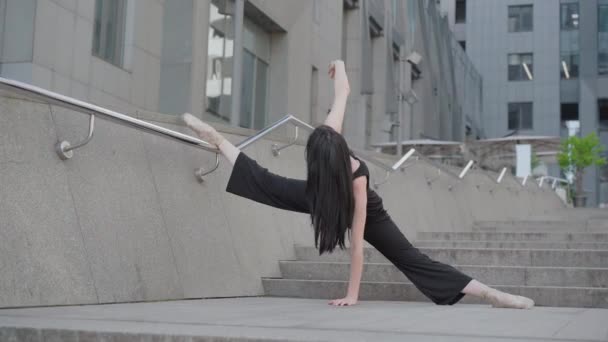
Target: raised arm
[
  {"x": 356, "y": 244},
  {"x": 337, "y": 72}
]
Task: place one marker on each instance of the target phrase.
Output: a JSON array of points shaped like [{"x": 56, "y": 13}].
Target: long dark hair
[{"x": 329, "y": 187}]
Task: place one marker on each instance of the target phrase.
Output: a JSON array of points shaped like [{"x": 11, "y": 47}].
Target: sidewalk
[{"x": 263, "y": 318}]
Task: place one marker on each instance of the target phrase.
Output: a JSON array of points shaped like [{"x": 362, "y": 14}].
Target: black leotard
[{"x": 375, "y": 208}]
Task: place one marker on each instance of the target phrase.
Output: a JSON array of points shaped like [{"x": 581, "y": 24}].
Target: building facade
[
  {"x": 543, "y": 63},
  {"x": 249, "y": 63}
]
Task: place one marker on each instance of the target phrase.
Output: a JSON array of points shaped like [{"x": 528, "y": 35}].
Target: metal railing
[
  {"x": 65, "y": 149},
  {"x": 554, "y": 181}
]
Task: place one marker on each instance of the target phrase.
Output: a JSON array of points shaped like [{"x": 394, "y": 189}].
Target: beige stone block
[
  {"x": 86, "y": 9},
  {"x": 61, "y": 84},
  {"x": 83, "y": 41},
  {"x": 45, "y": 34},
  {"x": 41, "y": 76},
  {"x": 152, "y": 83}
]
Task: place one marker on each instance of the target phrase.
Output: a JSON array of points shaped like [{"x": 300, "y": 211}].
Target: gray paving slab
[{"x": 262, "y": 318}]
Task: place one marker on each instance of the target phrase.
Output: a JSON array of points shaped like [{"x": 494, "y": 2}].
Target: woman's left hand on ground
[{"x": 346, "y": 301}]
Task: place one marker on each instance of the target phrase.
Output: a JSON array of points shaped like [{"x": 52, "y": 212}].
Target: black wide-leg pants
[{"x": 441, "y": 283}]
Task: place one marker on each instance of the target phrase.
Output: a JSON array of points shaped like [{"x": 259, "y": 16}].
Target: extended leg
[
  {"x": 497, "y": 298},
  {"x": 441, "y": 283},
  {"x": 210, "y": 135}
]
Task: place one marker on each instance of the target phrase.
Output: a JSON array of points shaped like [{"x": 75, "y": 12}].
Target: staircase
[{"x": 557, "y": 263}]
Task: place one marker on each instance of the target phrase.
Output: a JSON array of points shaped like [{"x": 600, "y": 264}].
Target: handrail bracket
[
  {"x": 200, "y": 173},
  {"x": 65, "y": 150},
  {"x": 276, "y": 149}
]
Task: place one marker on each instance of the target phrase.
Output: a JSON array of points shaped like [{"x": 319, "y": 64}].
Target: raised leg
[{"x": 210, "y": 135}]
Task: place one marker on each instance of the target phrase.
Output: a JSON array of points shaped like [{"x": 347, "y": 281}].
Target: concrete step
[
  {"x": 481, "y": 256},
  {"x": 512, "y": 244},
  {"x": 515, "y": 236},
  {"x": 401, "y": 291},
  {"x": 498, "y": 275},
  {"x": 548, "y": 226}
]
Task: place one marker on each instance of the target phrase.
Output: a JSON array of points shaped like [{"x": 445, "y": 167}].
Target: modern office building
[
  {"x": 543, "y": 63},
  {"x": 248, "y": 63}
]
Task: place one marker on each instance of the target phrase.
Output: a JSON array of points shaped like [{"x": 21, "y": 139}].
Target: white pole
[
  {"x": 502, "y": 174},
  {"x": 403, "y": 159},
  {"x": 466, "y": 169}
]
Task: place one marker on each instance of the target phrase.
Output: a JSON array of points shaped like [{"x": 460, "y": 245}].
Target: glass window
[
  {"x": 521, "y": 67},
  {"x": 219, "y": 63},
  {"x": 569, "y": 111},
  {"x": 569, "y": 16},
  {"x": 603, "y": 63},
  {"x": 569, "y": 66},
  {"x": 461, "y": 11},
  {"x": 603, "y": 18},
  {"x": 253, "y": 92},
  {"x": 109, "y": 30},
  {"x": 261, "y": 86},
  {"x": 463, "y": 44},
  {"x": 520, "y": 115},
  {"x": 602, "y": 26},
  {"x": 602, "y": 105},
  {"x": 520, "y": 18},
  {"x": 247, "y": 90}
]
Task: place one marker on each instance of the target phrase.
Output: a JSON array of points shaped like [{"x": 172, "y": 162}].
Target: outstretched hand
[{"x": 346, "y": 301}]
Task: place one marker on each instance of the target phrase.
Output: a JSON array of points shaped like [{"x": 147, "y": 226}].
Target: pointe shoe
[
  {"x": 500, "y": 299},
  {"x": 203, "y": 130}
]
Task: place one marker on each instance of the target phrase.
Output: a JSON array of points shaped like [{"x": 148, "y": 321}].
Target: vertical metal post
[
  {"x": 237, "y": 61},
  {"x": 502, "y": 174},
  {"x": 400, "y": 104},
  {"x": 466, "y": 169}
]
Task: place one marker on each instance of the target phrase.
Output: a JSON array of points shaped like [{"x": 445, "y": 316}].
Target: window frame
[
  {"x": 573, "y": 75},
  {"x": 561, "y": 13},
  {"x": 520, "y": 116},
  {"x": 254, "y": 91},
  {"x": 523, "y": 75},
  {"x": 120, "y": 15},
  {"x": 519, "y": 28},
  {"x": 463, "y": 18},
  {"x": 602, "y": 52}
]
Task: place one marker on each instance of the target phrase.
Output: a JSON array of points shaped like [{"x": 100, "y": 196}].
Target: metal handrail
[
  {"x": 554, "y": 179},
  {"x": 104, "y": 113},
  {"x": 65, "y": 150}
]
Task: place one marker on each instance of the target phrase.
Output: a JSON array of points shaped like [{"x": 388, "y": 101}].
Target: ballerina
[{"x": 337, "y": 196}]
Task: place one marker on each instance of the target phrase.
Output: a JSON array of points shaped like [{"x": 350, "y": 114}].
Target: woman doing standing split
[{"x": 337, "y": 196}]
